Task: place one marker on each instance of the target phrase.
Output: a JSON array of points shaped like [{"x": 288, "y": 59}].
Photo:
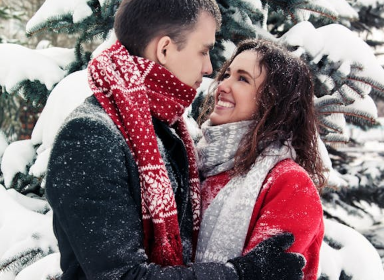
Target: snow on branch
[
  {"x": 25, "y": 241},
  {"x": 21, "y": 65},
  {"x": 70, "y": 11},
  {"x": 301, "y": 10},
  {"x": 340, "y": 7},
  {"x": 345, "y": 71},
  {"x": 339, "y": 45},
  {"x": 333, "y": 123},
  {"x": 18, "y": 156}
]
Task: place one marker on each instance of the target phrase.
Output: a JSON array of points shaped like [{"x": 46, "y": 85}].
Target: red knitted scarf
[{"x": 131, "y": 90}]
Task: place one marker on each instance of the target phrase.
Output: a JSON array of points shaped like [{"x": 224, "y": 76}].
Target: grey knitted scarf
[
  {"x": 225, "y": 222},
  {"x": 218, "y": 146}
]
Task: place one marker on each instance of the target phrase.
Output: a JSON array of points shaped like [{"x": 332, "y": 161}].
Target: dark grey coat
[{"x": 93, "y": 188}]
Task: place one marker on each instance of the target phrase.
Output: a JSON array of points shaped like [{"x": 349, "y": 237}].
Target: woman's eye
[
  {"x": 243, "y": 79},
  {"x": 226, "y": 76}
]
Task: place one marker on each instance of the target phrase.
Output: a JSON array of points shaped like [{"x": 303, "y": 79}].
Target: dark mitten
[{"x": 269, "y": 261}]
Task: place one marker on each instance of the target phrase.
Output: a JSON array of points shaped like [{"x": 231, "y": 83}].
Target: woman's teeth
[{"x": 225, "y": 104}]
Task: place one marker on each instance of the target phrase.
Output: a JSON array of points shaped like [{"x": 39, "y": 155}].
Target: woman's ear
[{"x": 163, "y": 46}]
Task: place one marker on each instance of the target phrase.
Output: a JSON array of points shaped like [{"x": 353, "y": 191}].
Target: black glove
[{"x": 269, "y": 261}]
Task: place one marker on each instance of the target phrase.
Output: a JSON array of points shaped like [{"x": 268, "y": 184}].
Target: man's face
[{"x": 192, "y": 62}]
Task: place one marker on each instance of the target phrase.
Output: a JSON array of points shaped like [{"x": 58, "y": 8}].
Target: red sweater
[{"x": 288, "y": 202}]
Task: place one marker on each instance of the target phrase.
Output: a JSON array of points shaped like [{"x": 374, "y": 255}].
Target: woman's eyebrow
[{"x": 243, "y": 72}]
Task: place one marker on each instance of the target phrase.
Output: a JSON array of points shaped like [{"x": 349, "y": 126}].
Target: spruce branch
[
  {"x": 330, "y": 126},
  {"x": 20, "y": 261},
  {"x": 335, "y": 138}
]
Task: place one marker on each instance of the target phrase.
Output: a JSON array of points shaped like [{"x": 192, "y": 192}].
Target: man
[{"x": 122, "y": 178}]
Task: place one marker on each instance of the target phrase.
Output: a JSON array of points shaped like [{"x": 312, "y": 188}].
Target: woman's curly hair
[{"x": 285, "y": 109}]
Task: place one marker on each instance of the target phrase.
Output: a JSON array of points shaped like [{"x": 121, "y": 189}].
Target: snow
[
  {"x": 29, "y": 210},
  {"x": 341, "y": 7},
  {"x": 26, "y": 222},
  {"x": 52, "y": 9},
  {"x": 3, "y": 143},
  {"x": 22, "y": 230},
  {"x": 61, "y": 56},
  {"x": 45, "y": 268},
  {"x": 333, "y": 177},
  {"x": 372, "y": 140},
  {"x": 20, "y": 63},
  {"x": 242, "y": 18},
  {"x": 36, "y": 205},
  {"x": 23, "y": 215},
  {"x": 334, "y": 41},
  {"x": 102, "y": 2},
  {"x": 254, "y": 4},
  {"x": 66, "y": 96},
  {"x": 16, "y": 158},
  {"x": 364, "y": 265},
  {"x": 229, "y": 48},
  {"x": 367, "y": 103}
]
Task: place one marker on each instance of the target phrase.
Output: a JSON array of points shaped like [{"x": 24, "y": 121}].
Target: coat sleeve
[
  {"x": 97, "y": 216},
  {"x": 288, "y": 202}
]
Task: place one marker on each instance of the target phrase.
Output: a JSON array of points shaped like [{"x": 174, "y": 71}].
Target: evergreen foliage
[
  {"x": 369, "y": 16},
  {"x": 345, "y": 93},
  {"x": 20, "y": 261},
  {"x": 340, "y": 84},
  {"x": 9, "y": 122},
  {"x": 6, "y": 13}
]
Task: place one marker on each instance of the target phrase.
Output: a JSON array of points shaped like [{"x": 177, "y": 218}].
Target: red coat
[{"x": 288, "y": 202}]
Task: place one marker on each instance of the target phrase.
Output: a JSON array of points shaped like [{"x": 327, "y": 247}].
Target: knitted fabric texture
[
  {"x": 226, "y": 221},
  {"x": 132, "y": 90},
  {"x": 218, "y": 146}
]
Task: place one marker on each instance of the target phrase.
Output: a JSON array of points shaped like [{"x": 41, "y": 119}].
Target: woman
[{"x": 259, "y": 157}]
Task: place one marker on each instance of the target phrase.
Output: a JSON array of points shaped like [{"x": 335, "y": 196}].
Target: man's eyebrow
[{"x": 209, "y": 46}]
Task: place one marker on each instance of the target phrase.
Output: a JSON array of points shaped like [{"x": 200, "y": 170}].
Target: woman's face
[{"x": 236, "y": 95}]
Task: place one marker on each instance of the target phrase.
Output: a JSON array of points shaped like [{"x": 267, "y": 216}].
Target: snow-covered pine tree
[
  {"x": 7, "y": 119},
  {"x": 371, "y": 21},
  {"x": 7, "y": 13},
  {"x": 347, "y": 83},
  {"x": 321, "y": 32}
]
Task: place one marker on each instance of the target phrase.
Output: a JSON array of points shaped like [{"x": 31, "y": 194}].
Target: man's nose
[{"x": 207, "y": 66}]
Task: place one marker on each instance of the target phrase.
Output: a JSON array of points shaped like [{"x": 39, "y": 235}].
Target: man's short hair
[{"x": 137, "y": 22}]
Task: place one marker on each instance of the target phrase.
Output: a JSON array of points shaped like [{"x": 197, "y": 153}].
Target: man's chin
[{"x": 197, "y": 85}]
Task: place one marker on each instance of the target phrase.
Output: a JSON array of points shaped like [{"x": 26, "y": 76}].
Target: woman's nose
[{"x": 224, "y": 86}]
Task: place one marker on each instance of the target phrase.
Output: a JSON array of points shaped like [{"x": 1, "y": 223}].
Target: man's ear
[{"x": 163, "y": 46}]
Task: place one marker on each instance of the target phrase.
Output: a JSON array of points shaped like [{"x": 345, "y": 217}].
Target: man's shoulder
[
  {"x": 90, "y": 109},
  {"x": 90, "y": 115}
]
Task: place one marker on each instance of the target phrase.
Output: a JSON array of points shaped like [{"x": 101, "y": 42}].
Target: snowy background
[
  {"x": 28, "y": 242},
  {"x": 350, "y": 79}
]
